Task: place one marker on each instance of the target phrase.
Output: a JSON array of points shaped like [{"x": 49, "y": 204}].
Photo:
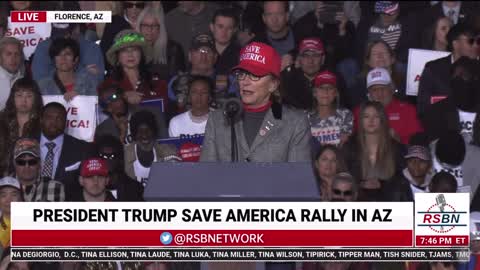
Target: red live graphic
[
  {"x": 28, "y": 16},
  {"x": 270, "y": 238}
]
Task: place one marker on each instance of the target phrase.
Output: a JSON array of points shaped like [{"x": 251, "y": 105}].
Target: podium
[{"x": 242, "y": 181}]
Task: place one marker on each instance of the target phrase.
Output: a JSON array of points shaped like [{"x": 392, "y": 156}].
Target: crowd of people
[{"x": 320, "y": 82}]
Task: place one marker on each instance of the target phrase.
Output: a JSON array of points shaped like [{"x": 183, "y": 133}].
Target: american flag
[{"x": 387, "y": 7}]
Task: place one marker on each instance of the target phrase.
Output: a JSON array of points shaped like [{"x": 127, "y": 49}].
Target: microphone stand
[{"x": 233, "y": 139}]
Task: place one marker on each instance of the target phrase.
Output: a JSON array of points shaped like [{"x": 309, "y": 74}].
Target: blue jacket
[
  {"x": 90, "y": 53},
  {"x": 85, "y": 85}
]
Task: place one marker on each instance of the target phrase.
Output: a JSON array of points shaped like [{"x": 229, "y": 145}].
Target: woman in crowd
[
  {"x": 21, "y": 116},
  {"x": 328, "y": 162},
  {"x": 436, "y": 35},
  {"x": 65, "y": 53},
  {"x": 329, "y": 123},
  {"x": 140, "y": 155},
  {"x": 193, "y": 121},
  {"x": 373, "y": 156},
  {"x": 129, "y": 55},
  {"x": 167, "y": 55},
  {"x": 127, "y": 19},
  {"x": 378, "y": 55}
]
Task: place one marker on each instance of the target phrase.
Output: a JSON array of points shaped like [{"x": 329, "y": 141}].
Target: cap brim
[
  {"x": 255, "y": 70},
  {"x": 26, "y": 152},
  {"x": 416, "y": 156},
  {"x": 310, "y": 49},
  {"x": 93, "y": 174},
  {"x": 378, "y": 83},
  {"x": 8, "y": 185}
]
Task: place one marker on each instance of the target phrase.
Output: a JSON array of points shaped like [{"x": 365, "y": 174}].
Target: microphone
[
  {"x": 441, "y": 202},
  {"x": 232, "y": 108}
]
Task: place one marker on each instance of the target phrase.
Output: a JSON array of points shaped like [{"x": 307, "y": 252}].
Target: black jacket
[
  {"x": 408, "y": 38},
  {"x": 337, "y": 47},
  {"x": 440, "y": 117},
  {"x": 228, "y": 59},
  {"x": 398, "y": 189},
  {"x": 434, "y": 82},
  {"x": 74, "y": 151}
]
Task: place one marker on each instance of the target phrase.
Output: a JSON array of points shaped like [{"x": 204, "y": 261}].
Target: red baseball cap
[
  {"x": 94, "y": 166},
  {"x": 311, "y": 44},
  {"x": 325, "y": 77},
  {"x": 259, "y": 59}
]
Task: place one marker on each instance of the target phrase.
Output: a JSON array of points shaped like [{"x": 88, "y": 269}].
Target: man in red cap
[
  {"x": 266, "y": 131},
  {"x": 94, "y": 180},
  {"x": 297, "y": 82}
]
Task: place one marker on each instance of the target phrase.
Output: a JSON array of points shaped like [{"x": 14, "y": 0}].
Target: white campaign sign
[
  {"x": 417, "y": 58},
  {"x": 30, "y": 34},
  {"x": 81, "y": 115}
]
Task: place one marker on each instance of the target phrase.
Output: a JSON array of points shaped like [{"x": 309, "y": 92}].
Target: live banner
[
  {"x": 81, "y": 115},
  {"x": 30, "y": 34},
  {"x": 417, "y": 58}
]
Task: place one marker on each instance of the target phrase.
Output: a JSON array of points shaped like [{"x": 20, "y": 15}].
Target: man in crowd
[
  {"x": 298, "y": 81},
  {"x": 224, "y": 27},
  {"x": 115, "y": 106},
  {"x": 93, "y": 181},
  {"x": 402, "y": 116},
  {"x": 26, "y": 155},
  {"x": 415, "y": 178},
  {"x": 203, "y": 56},
  {"x": 61, "y": 154},
  {"x": 435, "y": 80},
  {"x": 122, "y": 187},
  {"x": 344, "y": 188},
  {"x": 277, "y": 33},
  {"x": 11, "y": 66},
  {"x": 188, "y": 20},
  {"x": 10, "y": 191}
]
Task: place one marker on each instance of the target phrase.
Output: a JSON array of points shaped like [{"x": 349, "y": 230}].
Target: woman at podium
[{"x": 265, "y": 131}]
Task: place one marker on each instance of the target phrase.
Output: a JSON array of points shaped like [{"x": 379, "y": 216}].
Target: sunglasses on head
[
  {"x": 339, "y": 192},
  {"x": 107, "y": 156},
  {"x": 131, "y": 5},
  {"x": 24, "y": 162}
]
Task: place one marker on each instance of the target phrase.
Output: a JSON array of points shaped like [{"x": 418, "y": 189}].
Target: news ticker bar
[{"x": 240, "y": 254}]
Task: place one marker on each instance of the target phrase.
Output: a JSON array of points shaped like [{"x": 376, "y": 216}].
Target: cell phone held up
[{"x": 329, "y": 12}]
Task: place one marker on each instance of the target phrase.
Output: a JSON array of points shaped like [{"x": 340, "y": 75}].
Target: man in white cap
[
  {"x": 402, "y": 116},
  {"x": 9, "y": 192}
]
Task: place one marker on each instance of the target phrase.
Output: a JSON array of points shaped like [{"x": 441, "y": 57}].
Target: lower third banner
[{"x": 239, "y": 254}]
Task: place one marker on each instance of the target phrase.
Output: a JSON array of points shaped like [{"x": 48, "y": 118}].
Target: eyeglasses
[
  {"x": 204, "y": 50},
  {"x": 311, "y": 55},
  {"x": 107, "y": 156},
  {"x": 241, "y": 75},
  {"x": 150, "y": 26},
  {"x": 131, "y": 5},
  {"x": 24, "y": 162},
  {"x": 339, "y": 192}
]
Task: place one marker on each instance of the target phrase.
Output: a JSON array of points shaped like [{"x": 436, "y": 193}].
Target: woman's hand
[
  {"x": 68, "y": 96},
  {"x": 133, "y": 98},
  {"x": 342, "y": 19}
]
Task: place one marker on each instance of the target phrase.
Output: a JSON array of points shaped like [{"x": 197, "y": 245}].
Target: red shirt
[{"x": 402, "y": 117}]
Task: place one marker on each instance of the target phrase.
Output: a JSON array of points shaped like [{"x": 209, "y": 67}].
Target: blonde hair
[
  {"x": 385, "y": 160},
  {"x": 160, "y": 45},
  {"x": 13, "y": 41}
]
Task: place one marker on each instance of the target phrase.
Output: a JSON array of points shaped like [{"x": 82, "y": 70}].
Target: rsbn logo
[{"x": 441, "y": 217}]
